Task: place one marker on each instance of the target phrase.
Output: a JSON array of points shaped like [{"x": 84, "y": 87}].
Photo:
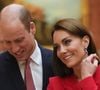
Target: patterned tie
[{"x": 28, "y": 77}]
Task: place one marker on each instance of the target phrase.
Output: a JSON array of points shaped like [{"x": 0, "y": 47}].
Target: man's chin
[{"x": 20, "y": 59}]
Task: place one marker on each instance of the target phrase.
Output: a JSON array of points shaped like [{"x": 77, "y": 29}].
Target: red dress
[{"x": 71, "y": 83}]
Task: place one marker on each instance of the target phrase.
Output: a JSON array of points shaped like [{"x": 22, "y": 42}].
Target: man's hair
[
  {"x": 25, "y": 17},
  {"x": 20, "y": 12}
]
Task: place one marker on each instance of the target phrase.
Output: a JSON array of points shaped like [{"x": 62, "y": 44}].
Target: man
[
  {"x": 18, "y": 32},
  {"x": 2, "y": 49}
]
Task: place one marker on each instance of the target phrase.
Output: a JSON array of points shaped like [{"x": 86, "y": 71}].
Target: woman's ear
[
  {"x": 85, "y": 41},
  {"x": 32, "y": 28}
]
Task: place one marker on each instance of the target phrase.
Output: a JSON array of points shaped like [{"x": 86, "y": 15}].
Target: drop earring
[{"x": 86, "y": 52}]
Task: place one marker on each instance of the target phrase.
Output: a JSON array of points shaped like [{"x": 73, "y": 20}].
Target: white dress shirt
[{"x": 36, "y": 68}]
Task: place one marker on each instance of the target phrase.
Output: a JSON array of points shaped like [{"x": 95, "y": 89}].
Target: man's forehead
[
  {"x": 8, "y": 18},
  {"x": 9, "y": 13},
  {"x": 11, "y": 9},
  {"x": 13, "y": 37}
]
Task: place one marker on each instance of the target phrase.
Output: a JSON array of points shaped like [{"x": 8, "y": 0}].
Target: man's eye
[
  {"x": 7, "y": 42},
  {"x": 19, "y": 40}
]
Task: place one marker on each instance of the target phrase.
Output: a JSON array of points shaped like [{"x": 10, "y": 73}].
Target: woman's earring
[{"x": 86, "y": 52}]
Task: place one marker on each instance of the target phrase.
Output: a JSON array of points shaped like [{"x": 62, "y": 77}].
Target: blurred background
[{"x": 47, "y": 12}]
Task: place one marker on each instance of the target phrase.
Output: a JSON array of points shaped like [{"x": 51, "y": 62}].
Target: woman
[{"x": 76, "y": 63}]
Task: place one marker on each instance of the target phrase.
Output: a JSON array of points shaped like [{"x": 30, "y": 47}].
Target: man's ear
[
  {"x": 32, "y": 28},
  {"x": 86, "y": 41}
]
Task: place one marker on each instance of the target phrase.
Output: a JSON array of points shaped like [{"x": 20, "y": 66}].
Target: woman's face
[{"x": 70, "y": 48}]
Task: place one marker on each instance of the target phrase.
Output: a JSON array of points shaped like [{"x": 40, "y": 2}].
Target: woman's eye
[{"x": 67, "y": 42}]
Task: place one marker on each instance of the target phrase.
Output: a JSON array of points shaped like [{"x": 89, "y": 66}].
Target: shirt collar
[{"x": 36, "y": 55}]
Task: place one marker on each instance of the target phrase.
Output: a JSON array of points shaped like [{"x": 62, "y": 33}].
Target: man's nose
[{"x": 14, "y": 47}]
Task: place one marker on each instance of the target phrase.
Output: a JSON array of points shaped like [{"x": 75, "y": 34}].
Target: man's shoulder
[
  {"x": 45, "y": 50},
  {"x": 47, "y": 55},
  {"x": 5, "y": 55}
]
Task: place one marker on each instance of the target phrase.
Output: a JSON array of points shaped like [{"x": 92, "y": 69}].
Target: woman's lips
[{"x": 67, "y": 57}]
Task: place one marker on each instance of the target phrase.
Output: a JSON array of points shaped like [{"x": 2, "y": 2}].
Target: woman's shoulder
[
  {"x": 60, "y": 79},
  {"x": 98, "y": 68},
  {"x": 97, "y": 73},
  {"x": 56, "y": 79}
]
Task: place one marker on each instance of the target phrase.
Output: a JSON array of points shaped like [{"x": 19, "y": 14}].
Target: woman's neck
[{"x": 77, "y": 72}]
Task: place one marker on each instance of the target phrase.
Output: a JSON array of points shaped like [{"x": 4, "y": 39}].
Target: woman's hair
[{"x": 74, "y": 27}]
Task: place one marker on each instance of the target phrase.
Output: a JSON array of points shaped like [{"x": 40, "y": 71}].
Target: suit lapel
[
  {"x": 43, "y": 67},
  {"x": 15, "y": 74},
  {"x": 46, "y": 65}
]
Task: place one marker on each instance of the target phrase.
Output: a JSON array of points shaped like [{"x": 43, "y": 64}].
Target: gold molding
[{"x": 85, "y": 12}]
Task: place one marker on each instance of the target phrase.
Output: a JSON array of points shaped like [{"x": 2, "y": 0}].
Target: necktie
[{"x": 28, "y": 77}]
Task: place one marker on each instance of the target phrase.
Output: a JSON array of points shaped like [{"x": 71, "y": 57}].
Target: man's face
[{"x": 18, "y": 41}]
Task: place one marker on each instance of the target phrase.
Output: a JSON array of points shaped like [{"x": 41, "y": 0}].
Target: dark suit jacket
[{"x": 10, "y": 76}]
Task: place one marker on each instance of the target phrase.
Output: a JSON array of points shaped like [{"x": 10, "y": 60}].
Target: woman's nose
[{"x": 62, "y": 49}]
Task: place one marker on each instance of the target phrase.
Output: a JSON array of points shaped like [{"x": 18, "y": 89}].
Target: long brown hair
[{"x": 75, "y": 28}]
